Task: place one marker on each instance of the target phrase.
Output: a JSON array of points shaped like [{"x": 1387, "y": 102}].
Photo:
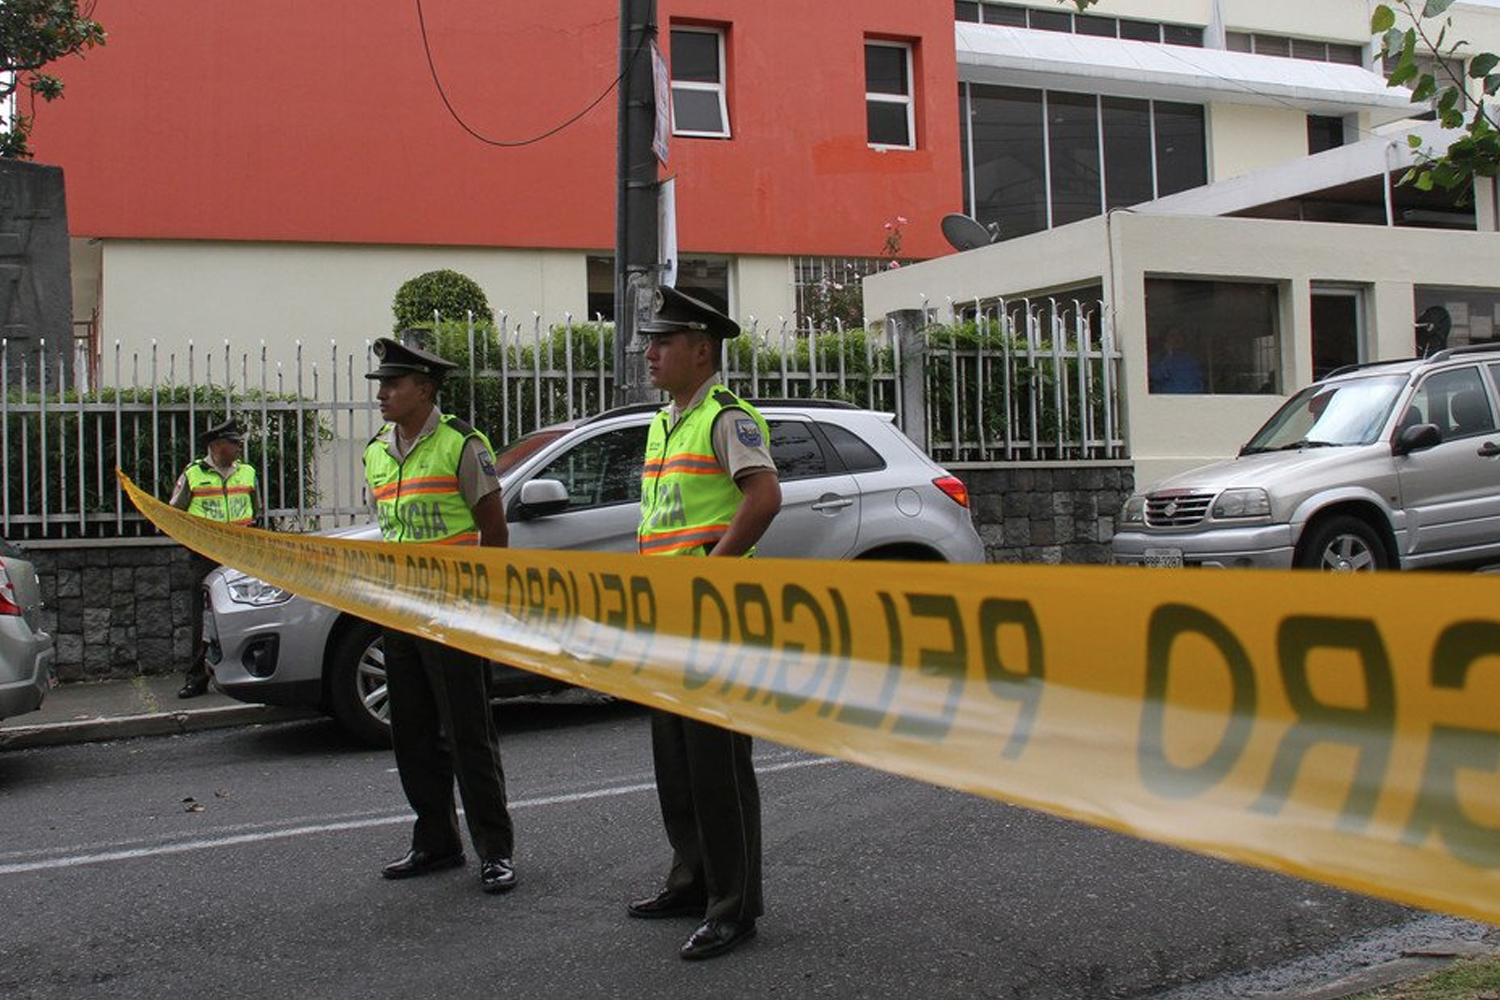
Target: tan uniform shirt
[{"x": 734, "y": 455}]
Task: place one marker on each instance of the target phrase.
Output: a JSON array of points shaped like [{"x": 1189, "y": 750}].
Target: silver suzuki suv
[{"x": 1388, "y": 465}]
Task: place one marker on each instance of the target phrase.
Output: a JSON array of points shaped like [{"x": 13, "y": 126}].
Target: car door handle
[
  {"x": 1489, "y": 449},
  {"x": 832, "y": 501}
]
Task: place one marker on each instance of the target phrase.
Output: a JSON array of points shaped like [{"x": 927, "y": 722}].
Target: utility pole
[{"x": 636, "y": 248}]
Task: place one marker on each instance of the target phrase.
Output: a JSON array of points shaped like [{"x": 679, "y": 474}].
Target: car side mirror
[
  {"x": 541, "y": 497},
  {"x": 1417, "y": 438}
]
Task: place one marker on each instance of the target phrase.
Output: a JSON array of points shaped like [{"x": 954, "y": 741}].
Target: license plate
[{"x": 1164, "y": 558}]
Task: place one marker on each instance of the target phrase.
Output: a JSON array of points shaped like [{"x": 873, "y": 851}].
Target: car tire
[
  {"x": 357, "y": 693},
  {"x": 1342, "y": 544}
]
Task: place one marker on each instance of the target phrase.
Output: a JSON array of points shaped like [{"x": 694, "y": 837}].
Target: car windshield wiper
[{"x": 1304, "y": 443}]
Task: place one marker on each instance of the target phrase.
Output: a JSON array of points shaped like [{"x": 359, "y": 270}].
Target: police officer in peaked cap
[
  {"x": 218, "y": 487},
  {"x": 441, "y": 724},
  {"x": 705, "y": 781}
]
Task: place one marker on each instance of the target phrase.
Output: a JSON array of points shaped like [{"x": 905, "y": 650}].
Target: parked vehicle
[
  {"x": 27, "y": 654},
  {"x": 1389, "y": 465},
  {"x": 853, "y": 487}
]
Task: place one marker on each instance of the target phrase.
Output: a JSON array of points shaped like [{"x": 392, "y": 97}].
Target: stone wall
[
  {"x": 122, "y": 610},
  {"x": 116, "y": 611},
  {"x": 1053, "y": 514}
]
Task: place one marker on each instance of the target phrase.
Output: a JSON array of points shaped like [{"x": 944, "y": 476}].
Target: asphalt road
[{"x": 245, "y": 863}]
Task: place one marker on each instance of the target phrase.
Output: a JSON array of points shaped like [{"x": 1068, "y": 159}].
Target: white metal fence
[{"x": 1004, "y": 386}]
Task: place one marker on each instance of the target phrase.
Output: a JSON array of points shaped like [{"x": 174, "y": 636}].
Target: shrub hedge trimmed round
[{"x": 450, "y": 294}]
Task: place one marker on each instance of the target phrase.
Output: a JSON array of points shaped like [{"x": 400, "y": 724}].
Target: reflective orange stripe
[
  {"x": 430, "y": 484},
  {"x": 685, "y": 538},
  {"x": 685, "y": 464}
]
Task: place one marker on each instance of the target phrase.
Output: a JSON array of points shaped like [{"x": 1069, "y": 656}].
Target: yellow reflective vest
[
  {"x": 417, "y": 499},
  {"x": 220, "y": 499},
  {"x": 687, "y": 497}
]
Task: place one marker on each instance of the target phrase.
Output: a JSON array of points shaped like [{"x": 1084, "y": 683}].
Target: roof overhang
[
  {"x": 1021, "y": 57},
  {"x": 1332, "y": 168}
]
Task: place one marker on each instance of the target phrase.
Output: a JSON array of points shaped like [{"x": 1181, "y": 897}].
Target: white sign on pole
[
  {"x": 666, "y": 214},
  {"x": 662, "y": 85}
]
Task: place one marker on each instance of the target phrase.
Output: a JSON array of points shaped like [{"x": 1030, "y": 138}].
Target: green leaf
[
  {"x": 1435, "y": 8},
  {"x": 1382, "y": 20},
  {"x": 1481, "y": 64},
  {"x": 1425, "y": 88}
]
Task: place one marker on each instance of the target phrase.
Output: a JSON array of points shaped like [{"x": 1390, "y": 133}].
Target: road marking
[{"x": 76, "y": 860}]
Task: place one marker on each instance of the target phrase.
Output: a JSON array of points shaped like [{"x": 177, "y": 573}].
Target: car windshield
[
  {"x": 520, "y": 450},
  {"x": 1350, "y": 412}
]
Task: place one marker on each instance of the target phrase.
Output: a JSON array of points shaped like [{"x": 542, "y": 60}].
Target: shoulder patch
[
  {"x": 748, "y": 431},
  {"x": 486, "y": 462}
]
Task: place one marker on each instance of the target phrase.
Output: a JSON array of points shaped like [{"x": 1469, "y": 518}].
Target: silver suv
[
  {"x": 853, "y": 487},
  {"x": 1389, "y": 465}
]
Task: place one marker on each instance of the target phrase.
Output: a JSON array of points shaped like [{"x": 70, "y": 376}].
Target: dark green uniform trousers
[
  {"x": 442, "y": 728},
  {"x": 711, "y": 807}
]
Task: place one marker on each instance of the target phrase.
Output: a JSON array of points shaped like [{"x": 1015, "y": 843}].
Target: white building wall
[
  {"x": 1169, "y": 433},
  {"x": 1244, "y": 138}
]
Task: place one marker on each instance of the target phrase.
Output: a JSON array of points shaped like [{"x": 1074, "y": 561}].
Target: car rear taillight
[
  {"x": 8, "y": 603},
  {"x": 954, "y": 487}
]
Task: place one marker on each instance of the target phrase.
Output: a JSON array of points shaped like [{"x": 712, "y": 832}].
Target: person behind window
[{"x": 1174, "y": 370}]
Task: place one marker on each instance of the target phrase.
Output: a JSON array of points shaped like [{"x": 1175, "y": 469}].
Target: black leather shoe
[
  {"x": 715, "y": 937},
  {"x": 497, "y": 875},
  {"x": 421, "y": 863},
  {"x": 194, "y": 687},
  {"x": 667, "y": 903}
]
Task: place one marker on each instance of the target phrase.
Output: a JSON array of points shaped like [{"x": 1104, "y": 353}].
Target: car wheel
[
  {"x": 1342, "y": 544},
  {"x": 356, "y": 684}
]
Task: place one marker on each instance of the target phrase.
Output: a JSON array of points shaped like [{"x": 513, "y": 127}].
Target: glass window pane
[
  {"x": 1315, "y": 51},
  {"x": 1335, "y": 331},
  {"x": 1127, "y": 151},
  {"x": 1012, "y": 17},
  {"x": 966, "y": 10},
  {"x": 603, "y": 470},
  {"x": 795, "y": 451},
  {"x": 1140, "y": 31},
  {"x": 1103, "y": 27},
  {"x": 1009, "y": 185},
  {"x": 1238, "y": 41},
  {"x": 1351, "y": 55},
  {"x": 885, "y": 69},
  {"x": 1181, "y": 151},
  {"x": 887, "y": 123},
  {"x": 1211, "y": 337},
  {"x": 1073, "y": 135},
  {"x": 696, "y": 111},
  {"x": 1181, "y": 34},
  {"x": 1051, "y": 20},
  {"x": 1272, "y": 45},
  {"x": 1324, "y": 132},
  {"x": 705, "y": 279},
  {"x": 695, "y": 56},
  {"x": 855, "y": 454}
]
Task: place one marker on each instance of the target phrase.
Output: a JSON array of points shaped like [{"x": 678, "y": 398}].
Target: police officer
[
  {"x": 709, "y": 488},
  {"x": 220, "y": 487},
  {"x": 432, "y": 479}
]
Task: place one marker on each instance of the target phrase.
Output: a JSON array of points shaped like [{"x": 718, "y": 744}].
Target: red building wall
[{"x": 283, "y": 120}]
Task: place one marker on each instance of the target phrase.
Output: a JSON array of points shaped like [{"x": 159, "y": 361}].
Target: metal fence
[{"x": 993, "y": 387}]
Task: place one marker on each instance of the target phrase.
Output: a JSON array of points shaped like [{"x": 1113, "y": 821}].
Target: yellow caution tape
[{"x": 1340, "y": 728}]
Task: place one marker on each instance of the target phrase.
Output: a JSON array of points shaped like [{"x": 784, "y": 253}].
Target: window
[
  {"x": 888, "y": 96},
  {"x": 1043, "y": 19},
  {"x": 796, "y": 451},
  {"x": 1211, "y": 337},
  {"x": 1337, "y": 328},
  {"x": 1454, "y": 317},
  {"x": 1295, "y": 48},
  {"x": 1455, "y": 400},
  {"x": 1034, "y": 159},
  {"x": 604, "y": 470},
  {"x": 698, "y": 103},
  {"x": 1324, "y": 132},
  {"x": 855, "y": 454},
  {"x": 704, "y": 278}
]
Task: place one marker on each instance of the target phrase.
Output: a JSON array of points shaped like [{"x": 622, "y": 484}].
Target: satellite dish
[{"x": 966, "y": 233}]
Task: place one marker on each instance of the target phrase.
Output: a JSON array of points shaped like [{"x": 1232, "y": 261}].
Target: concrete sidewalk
[{"x": 83, "y": 711}]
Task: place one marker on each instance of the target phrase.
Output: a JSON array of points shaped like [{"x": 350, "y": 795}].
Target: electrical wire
[{"x": 512, "y": 144}]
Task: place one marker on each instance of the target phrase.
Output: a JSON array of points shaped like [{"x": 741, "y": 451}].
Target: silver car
[
  {"x": 853, "y": 487},
  {"x": 1389, "y": 465},
  {"x": 27, "y": 653}
]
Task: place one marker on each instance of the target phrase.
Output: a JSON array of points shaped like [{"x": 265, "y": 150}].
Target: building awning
[{"x": 1051, "y": 60}]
